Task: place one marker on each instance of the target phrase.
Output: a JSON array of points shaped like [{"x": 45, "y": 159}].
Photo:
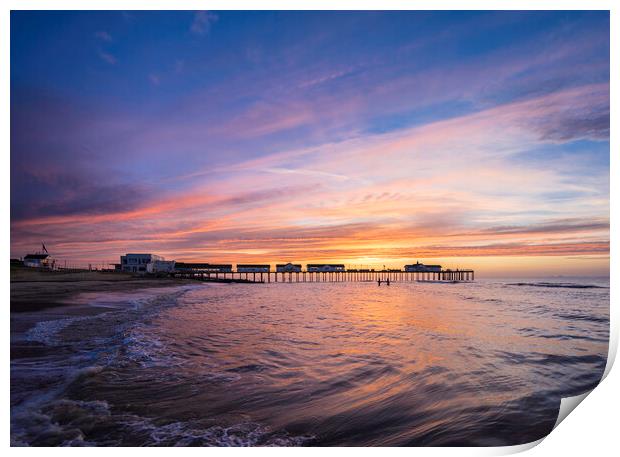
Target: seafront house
[
  {"x": 38, "y": 261},
  {"x": 138, "y": 263}
]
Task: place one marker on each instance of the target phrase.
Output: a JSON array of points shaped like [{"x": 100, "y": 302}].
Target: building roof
[
  {"x": 326, "y": 264},
  {"x": 421, "y": 266},
  {"x": 36, "y": 256}
]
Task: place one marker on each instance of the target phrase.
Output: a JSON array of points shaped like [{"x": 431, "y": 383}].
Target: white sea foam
[
  {"x": 73, "y": 422},
  {"x": 47, "y": 331},
  {"x": 38, "y": 417},
  {"x": 57, "y": 423},
  {"x": 237, "y": 435},
  {"x": 146, "y": 349},
  {"x": 143, "y": 346}
]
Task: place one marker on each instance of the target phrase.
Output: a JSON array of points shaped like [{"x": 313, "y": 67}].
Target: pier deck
[{"x": 330, "y": 276}]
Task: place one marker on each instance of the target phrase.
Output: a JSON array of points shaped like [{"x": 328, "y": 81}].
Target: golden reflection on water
[{"x": 391, "y": 363}]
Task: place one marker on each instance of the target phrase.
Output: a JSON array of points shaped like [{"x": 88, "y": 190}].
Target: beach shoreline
[
  {"x": 41, "y": 296},
  {"x": 39, "y": 290}
]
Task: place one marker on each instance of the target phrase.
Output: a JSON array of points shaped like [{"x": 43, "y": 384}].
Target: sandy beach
[
  {"x": 33, "y": 290},
  {"x": 38, "y": 296}
]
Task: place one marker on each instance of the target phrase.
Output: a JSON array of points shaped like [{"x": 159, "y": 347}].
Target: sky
[{"x": 471, "y": 139}]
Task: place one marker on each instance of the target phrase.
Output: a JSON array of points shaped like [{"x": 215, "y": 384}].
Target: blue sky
[{"x": 269, "y": 126}]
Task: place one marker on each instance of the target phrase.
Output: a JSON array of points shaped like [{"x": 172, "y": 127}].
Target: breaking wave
[{"x": 73, "y": 422}]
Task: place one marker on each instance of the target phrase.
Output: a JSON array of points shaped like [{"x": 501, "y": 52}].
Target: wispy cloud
[
  {"x": 104, "y": 36},
  {"x": 306, "y": 172},
  {"x": 202, "y": 22},
  {"x": 107, "y": 57},
  {"x": 154, "y": 78}
]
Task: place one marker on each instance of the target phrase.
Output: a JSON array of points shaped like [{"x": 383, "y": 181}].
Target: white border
[{"x": 590, "y": 430}]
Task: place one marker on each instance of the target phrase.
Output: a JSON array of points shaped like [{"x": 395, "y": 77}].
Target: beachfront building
[
  {"x": 201, "y": 267},
  {"x": 421, "y": 267},
  {"x": 161, "y": 266},
  {"x": 137, "y": 263},
  {"x": 38, "y": 261},
  {"x": 249, "y": 268},
  {"x": 288, "y": 267},
  {"x": 325, "y": 267}
]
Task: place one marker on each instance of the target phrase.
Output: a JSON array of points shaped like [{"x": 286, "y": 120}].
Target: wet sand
[
  {"x": 33, "y": 290},
  {"x": 38, "y": 296}
]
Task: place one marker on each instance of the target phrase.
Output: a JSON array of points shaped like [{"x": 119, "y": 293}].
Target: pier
[{"x": 393, "y": 276}]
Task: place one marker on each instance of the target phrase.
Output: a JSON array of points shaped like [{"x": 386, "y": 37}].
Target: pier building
[
  {"x": 288, "y": 267},
  {"x": 202, "y": 267},
  {"x": 325, "y": 267},
  {"x": 421, "y": 267},
  {"x": 253, "y": 268}
]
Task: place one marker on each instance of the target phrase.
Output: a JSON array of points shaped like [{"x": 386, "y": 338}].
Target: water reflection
[{"x": 349, "y": 364}]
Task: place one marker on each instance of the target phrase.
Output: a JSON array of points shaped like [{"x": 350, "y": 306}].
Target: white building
[
  {"x": 138, "y": 263},
  {"x": 161, "y": 266},
  {"x": 38, "y": 261}
]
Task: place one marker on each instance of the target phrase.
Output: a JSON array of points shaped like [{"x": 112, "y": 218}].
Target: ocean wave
[
  {"x": 58, "y": 423},
  {"x": 94, "y": 342},
  {"x": 583, "y": 317},
  {"x": 68, "y": 422},
  {"x": 595, "y": 360},
  {"x": 542, "y": 333},
  {"x": 207, "y": 368},
  {"x": 145, "y": 350},
  {"x": 193, "y": 434},
  {"x": 561, "y": 285},
  {"x": 46, "y": 332}
]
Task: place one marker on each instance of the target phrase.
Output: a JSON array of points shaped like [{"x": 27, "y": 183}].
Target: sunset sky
[{"x": 472, "y": 139}]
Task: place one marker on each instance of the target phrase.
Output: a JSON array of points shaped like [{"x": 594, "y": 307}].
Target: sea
[{"x": 484, "y": 363}]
